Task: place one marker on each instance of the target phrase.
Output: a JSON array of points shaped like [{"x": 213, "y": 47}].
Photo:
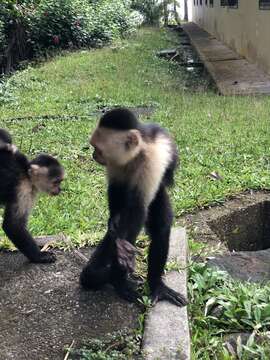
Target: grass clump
[
  {"x": 120, "y": 345},
  {"x": 220, "y": 306}
]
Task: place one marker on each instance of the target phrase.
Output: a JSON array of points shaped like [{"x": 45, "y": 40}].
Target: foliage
[
  {"x": 33, "y": 26},
  {"x": 74, "y": 22},
  {"x": 151, "y": 9},
  {"x": 220, "y": 306}
]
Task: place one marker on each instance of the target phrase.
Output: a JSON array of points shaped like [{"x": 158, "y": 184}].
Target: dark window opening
[
  {"x": 223, "y": 2},
  {"x": 233, "y": 4},
  {"x": 264, "y": 4},
  {"x": 194, "y": 2},
  {"x": 211, "y": 3},
  {"x": 206, "y": 2},
  {"x": 201, "y": 2}
]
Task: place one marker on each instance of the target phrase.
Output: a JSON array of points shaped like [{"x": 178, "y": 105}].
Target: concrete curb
[
  {"x": 232, "y": 73},
  {"x": 166, "y": 335}
]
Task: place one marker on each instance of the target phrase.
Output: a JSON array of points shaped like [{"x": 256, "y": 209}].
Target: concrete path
[
  {"x": 232, "y": 74},
  {"x": 166, "y": 335},
  {"x": 43, "y": 309}
]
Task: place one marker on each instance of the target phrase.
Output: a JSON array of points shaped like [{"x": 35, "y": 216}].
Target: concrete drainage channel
[{"x": 184, "y": 54}]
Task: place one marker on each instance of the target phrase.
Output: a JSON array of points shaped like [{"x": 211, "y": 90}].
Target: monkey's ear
[
  {"x": 37, "y": 170},
  {"x": 133, "y": 139}
]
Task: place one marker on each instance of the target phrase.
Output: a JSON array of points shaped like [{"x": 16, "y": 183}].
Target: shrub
[
  {"x": 151, "y": 9},
  {"x": 29, "y": 27}
]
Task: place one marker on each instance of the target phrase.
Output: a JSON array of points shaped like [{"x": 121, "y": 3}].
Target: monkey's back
[{"x": 13, "y": 168}]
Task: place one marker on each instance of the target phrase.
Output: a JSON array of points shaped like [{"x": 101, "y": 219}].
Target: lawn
[{"x": 227, "y": 135}]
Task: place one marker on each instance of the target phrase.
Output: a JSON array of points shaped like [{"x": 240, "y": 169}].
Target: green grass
[
  {"x": 229, "y": 135},
  {"x": 220, "y": 306}
]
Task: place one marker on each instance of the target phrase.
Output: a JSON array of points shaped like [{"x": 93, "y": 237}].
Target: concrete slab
[
  {"x": 232, "y": 74},
  {"x": 245, "y": 265},
  {"x": 42, "y": 308},
  {"x": 166, "y": 335}
]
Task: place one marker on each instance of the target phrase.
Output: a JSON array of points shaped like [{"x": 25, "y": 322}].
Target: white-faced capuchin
[
  {"x": 140, "y": 160},
  {"x": 20, "y": 181}
]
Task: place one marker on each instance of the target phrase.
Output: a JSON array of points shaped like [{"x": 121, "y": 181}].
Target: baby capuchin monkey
[
  {"x": 20, "y": 182},
  {"x": 140, "y": 161}
]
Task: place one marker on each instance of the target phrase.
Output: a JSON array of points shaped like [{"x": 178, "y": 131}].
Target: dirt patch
[
  {"x": 141, "y": 111},
  {"x": 43, "y": 309}
]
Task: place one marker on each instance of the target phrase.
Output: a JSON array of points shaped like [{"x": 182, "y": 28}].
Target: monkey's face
[
  {"x": 47, "y": 180},
  {"x": 114, "y": 147},
  {"x": 54, "y": 187}
]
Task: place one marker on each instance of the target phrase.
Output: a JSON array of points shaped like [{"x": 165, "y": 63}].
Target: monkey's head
[
  {"x": 117, "y": 138},
  {"x": 46, "y": 174}
]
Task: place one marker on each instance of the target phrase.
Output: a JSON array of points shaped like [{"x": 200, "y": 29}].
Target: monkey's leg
[
  {"x": 97, "y": 271},
  {"x": 158, "y": 225}
]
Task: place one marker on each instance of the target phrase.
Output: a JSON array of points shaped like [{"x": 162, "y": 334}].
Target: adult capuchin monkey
[
  {"x": 20, "y": 181},
  {"x": 140, "y": 160}
]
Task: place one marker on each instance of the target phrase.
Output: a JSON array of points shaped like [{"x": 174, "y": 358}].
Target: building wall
[{"x": 246, "y": 29}]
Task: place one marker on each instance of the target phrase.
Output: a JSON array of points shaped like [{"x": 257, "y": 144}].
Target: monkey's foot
[
  {"x": 44, "y": 258},
  {"x": 163, "y": 292},
  {"x": 127, "y": 291},
  {"x": 126, "y": 253}
]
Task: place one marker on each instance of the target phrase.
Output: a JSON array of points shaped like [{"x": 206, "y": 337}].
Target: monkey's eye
[{"x": 56, "y": 182}]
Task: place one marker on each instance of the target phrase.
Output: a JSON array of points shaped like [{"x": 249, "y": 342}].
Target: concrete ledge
[
  {"x": 232, "y": 74},
  {"x": 166, "y": 335}
]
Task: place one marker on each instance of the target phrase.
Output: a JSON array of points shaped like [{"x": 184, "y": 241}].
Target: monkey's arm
[
  {"x": 125, "y": 223},
  {"x": 15, "y": 227}
]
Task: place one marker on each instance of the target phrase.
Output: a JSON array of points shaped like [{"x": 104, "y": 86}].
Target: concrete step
[
  {"x": 166, "y": 335},
  {"x": 232, "y": 74}
]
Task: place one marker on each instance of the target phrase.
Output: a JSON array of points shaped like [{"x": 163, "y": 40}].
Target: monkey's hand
[
  {"x": 163, "y": 292},
  {"x": 126, "y": 253},
  {"x": 44, "y": 258}
]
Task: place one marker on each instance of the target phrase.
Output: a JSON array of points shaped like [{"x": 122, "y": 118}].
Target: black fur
[
  {"x": 127, "y": 217},
  {"x": 13, "y": 168},
  {"x": 119, "y": 119},
  {"x": 5, "y": 136},
  {"x": 55, "y": 169}
]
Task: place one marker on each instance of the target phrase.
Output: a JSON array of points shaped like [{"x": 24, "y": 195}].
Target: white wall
[{"x": 246, "y": 29}]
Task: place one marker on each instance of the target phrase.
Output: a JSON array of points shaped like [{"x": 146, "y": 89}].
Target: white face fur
[
  {"x": 42, "y": 182},
  {"x": 113, "y": 147}
]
